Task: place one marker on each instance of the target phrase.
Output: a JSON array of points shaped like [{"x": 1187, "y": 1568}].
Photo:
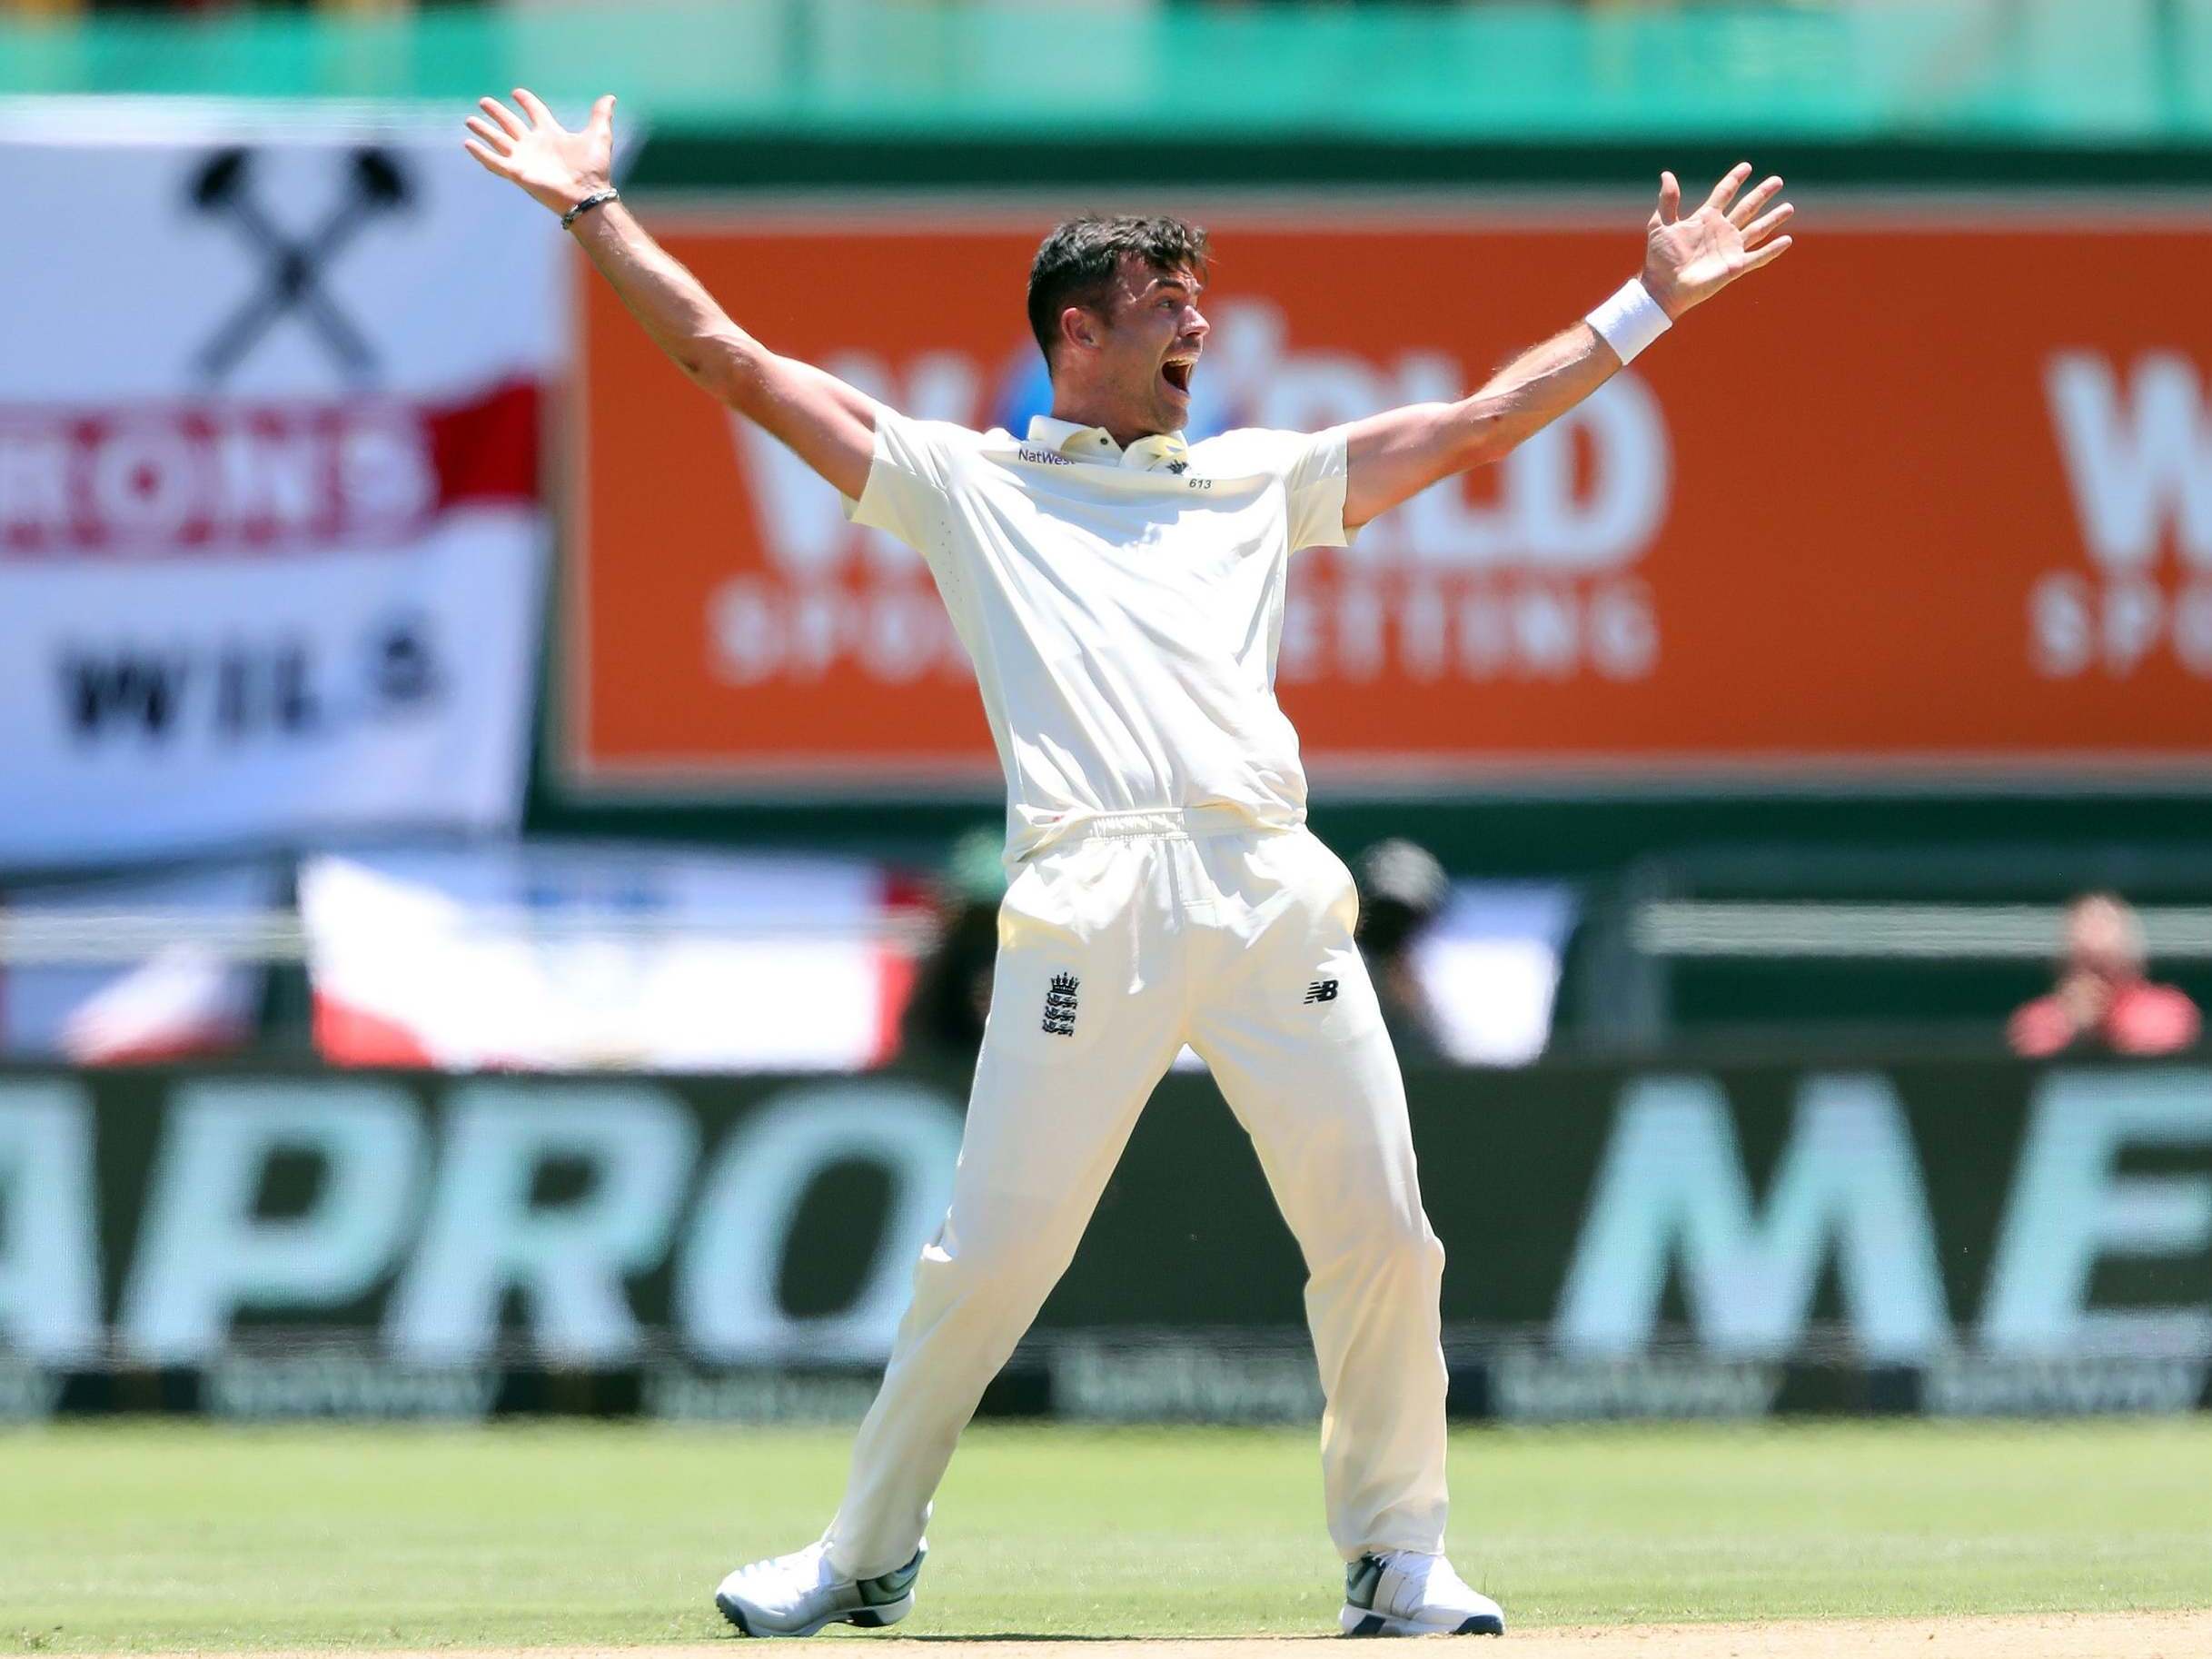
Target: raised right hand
[
  {"x": 558, "y": 167},
  {"x": 1688, "y": 260}
]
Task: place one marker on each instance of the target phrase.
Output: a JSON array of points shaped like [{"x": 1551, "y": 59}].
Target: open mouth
[{"x": 1177, "y": 372}]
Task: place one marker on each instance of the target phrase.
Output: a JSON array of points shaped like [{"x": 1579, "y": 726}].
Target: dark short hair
[{"x": 1076, "y": 265}]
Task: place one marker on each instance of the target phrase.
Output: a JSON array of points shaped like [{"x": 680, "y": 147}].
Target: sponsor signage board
[
  {"x": 1966, "y": 1237},
  {"x": 1793, "y": 541},
  {"x": 272, "y": 527}
]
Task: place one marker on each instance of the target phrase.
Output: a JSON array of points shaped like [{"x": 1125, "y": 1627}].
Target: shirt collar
[{"x": 1095, "y": 443}]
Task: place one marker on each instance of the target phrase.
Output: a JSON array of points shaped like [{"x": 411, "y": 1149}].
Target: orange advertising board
[{"x": 1932, "y": 498}]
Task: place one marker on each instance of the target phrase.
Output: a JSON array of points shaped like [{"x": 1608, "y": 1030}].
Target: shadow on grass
[{"x": 1016, "y": 1636}]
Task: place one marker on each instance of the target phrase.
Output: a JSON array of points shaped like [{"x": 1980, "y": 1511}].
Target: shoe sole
[
  {"x": 866, "y": 1618},
  {"x": 1362, "y": 1622}
]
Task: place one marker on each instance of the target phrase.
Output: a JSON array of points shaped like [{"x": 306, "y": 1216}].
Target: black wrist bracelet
[{"x": 598, "y": 198}]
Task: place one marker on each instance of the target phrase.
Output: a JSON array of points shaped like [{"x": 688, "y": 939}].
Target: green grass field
[{"x": 154, "y": 1536}]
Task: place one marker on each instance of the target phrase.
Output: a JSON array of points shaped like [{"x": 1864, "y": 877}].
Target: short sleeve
[
  {"x": 1315, "y": 480},
  {"x": 1312, "y": 468},
  {"x": 911, "y": 481}
]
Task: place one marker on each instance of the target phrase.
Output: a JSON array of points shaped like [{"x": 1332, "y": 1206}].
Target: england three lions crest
[{"x": 1060, "y": 1005}]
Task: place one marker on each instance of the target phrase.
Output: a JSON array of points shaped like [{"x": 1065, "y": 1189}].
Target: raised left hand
[
  {"x": 1687, "y": 261},
  {"x": 556, "y": 167}
]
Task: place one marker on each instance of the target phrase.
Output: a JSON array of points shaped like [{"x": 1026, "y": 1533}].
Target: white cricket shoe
[
  {"x": 1400, "y": 1593},
  {"x": 797, "y": 1594}
]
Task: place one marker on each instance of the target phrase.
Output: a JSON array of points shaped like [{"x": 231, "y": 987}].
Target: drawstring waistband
[{"x": 1170, "y": 820}]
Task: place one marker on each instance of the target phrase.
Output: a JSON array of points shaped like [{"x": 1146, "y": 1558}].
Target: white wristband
[{"x": 1630, "y": 320}]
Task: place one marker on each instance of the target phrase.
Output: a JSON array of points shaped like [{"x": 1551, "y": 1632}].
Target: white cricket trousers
[{"x": 1141, "y": 932}]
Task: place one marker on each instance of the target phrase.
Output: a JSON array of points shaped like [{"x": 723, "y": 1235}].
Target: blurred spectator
[
  {"x": 952, "y": 990},
  {"x": 2103, "y": 999},
  {"x": 1402, "y": 889}
]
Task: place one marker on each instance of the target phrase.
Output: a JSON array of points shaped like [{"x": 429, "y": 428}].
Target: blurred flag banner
[
  {"x": 1793, "y": 541},
  {"x": 84, "y": 1000},
  {"x": 572, "y": 957},
  {"x": 1490, "y": 968},
  {"x": 271, "y": 530}
]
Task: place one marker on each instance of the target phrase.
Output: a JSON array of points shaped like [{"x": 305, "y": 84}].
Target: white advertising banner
[{"x": 272, "y": 534}]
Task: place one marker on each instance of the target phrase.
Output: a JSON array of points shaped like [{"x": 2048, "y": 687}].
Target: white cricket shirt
[{"x": 1123, "y": 608}]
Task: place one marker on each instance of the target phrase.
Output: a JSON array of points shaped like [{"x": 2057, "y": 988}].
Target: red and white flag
[
  {"x": 272, "y": 528},
  {"x": 572, "y": 957}
]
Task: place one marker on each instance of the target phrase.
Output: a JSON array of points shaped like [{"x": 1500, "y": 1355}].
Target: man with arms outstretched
[{"x": 1120, "y": 591}]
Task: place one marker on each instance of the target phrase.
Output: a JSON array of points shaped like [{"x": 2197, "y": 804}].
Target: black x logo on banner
[{"x": 291, "y": 279}]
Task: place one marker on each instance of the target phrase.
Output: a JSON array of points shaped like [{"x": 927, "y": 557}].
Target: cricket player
[{"x": 1120, "y": 590}]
